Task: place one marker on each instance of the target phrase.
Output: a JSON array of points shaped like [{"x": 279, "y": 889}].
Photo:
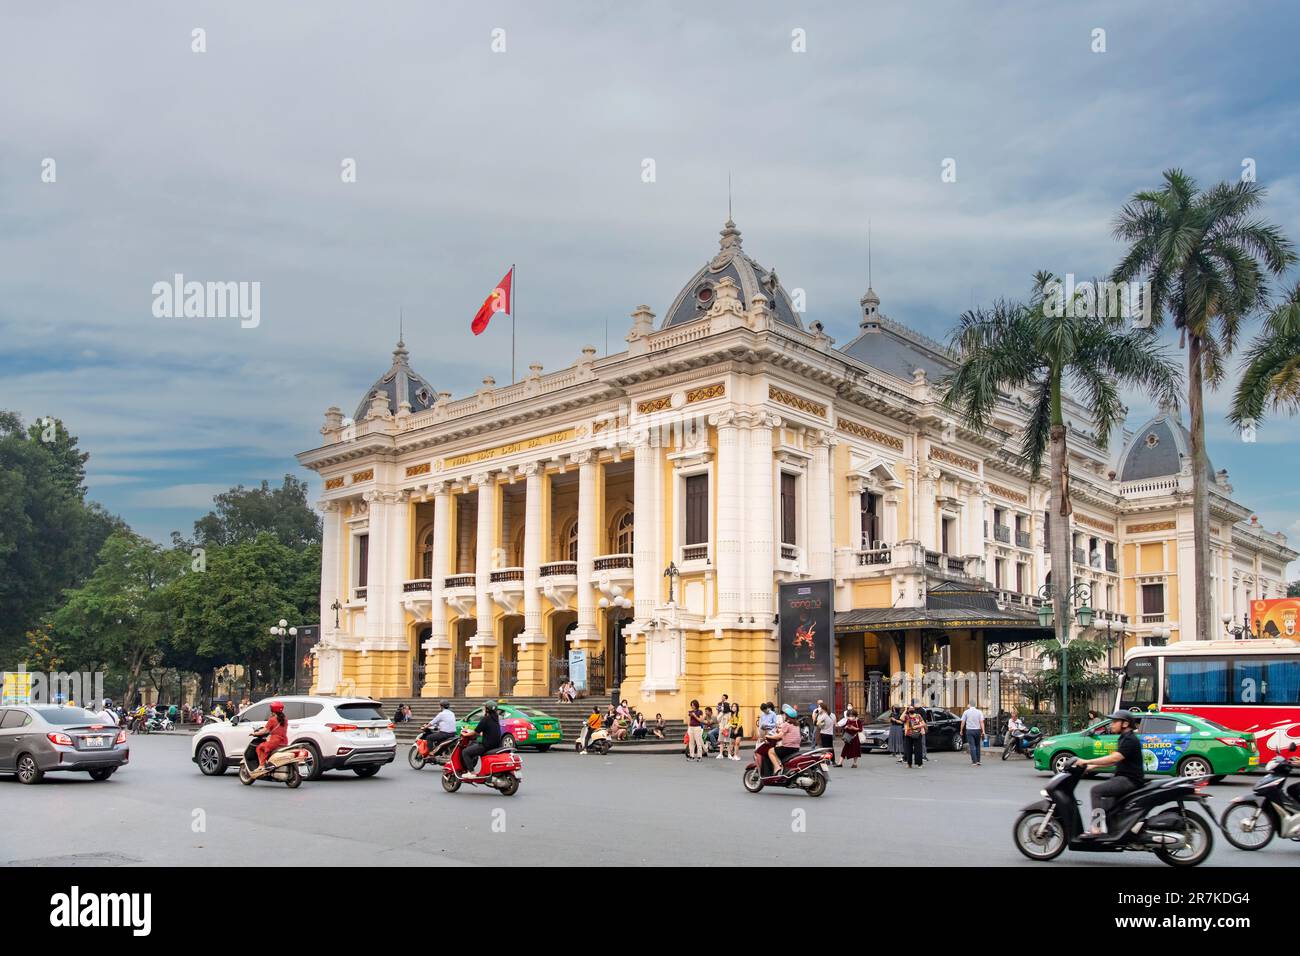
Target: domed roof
[
  {"x": 751, "y": 279},
  {"x": 1158, "y": 449},
  {"x": 401, "y": 384}
]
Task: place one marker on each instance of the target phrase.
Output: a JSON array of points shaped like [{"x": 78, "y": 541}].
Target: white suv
[{"x": 341, "y": 733}]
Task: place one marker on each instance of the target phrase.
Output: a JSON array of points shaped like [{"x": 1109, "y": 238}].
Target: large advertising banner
[
  {"x": 1276, "y": 617},
  {"x": 304, "y": 671},
  {"x": 807, "y": 662}
]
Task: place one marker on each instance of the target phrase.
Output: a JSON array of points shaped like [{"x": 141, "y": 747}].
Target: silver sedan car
[{"x": 36, "y": 739}]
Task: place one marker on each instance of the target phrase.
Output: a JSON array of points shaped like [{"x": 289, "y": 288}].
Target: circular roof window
[{"x": 704, "y": 293}]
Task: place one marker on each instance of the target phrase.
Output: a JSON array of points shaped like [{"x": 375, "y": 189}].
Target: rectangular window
[
  {"x": 872, "y": 528},
  {"x": 1020, "y": 577},
  {"x": 697, "y": 509},
  {"x": 1266, "y": 680},
  {"x": 1196, "y": 680},
  {"x": 1153, "y": 599},
  {"x": 363, "y": 559},
  {"x": 947, "y": 539},
  {"x": 1047, "y": 531},
  {"x": 1139, "y": 687},
  {"x": 789, "y": 527}
]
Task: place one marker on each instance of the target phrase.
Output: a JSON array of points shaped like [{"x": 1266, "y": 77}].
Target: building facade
[{"x": 642, "y": 508}]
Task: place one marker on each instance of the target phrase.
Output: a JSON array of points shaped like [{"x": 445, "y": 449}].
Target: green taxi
[
  {"x": 524, "y": 725},
  {"x": 1172, "y": 743}
]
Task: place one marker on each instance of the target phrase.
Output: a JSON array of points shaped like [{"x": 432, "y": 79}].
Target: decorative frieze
[
  {"x": 423, "y": 468},
  {"x": 678, "y": 399},
  {"x": 1095, "y": 523},
  {"x": 515, "y": 447},
  {"x": 1151, "y": 526},
  {"x": 870, "y": 434},
  {"x": 360, "y": 476},
  {"x": 952, "y": 458},
  {"x": 706, "y": 392},
  {"x": 1008, "y": 493},
  {"x": 796, "y": 401},
  {"x": 332, "y": 483}
]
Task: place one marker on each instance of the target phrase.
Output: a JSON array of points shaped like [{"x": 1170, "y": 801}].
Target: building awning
[{"x": 949, "y": 606}]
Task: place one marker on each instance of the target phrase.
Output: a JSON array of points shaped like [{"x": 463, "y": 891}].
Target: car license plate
[
  {"x": 93, "y": 741},
  {"x": 548, "y": 736},
  {"x": 372, "y": 731}
]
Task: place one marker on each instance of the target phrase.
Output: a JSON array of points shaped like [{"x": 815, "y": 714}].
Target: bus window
[
  {"x": 1139, "y": 689},
  {"x": 1198, "y": 680},
  {"x": 1266, "y": 680}
]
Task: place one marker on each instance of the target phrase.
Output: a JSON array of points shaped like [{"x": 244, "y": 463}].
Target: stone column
[
  {"x": 925, "y": 509},
  {"x": 438, "y": 656},
  {"x": 532, "y": 679},
  {"x": 820, "y": 538},
  {"x": 483, "y": 680},
  {"x": 728, "y": 556},
  {"x": 588, "y": 520},
  {"x": 761, "y": 559},
  {"x": 377, "y": 565},
  {"x": 329, "y": 564},
  {"x": 399, "y": 566},
  {"x": 645, "y": 548}
]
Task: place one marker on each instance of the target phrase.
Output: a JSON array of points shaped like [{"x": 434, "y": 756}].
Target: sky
[{"x": 486, "y": 134}]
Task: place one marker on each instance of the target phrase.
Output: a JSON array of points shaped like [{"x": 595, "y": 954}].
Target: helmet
[
  {"x": 490, "y": 706},
  {"x": 277, "y": 707},
  {"x": 790, "y": 712}
]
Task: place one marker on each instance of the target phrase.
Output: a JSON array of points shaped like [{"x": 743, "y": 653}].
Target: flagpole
[{"x": 514, "y": 304}]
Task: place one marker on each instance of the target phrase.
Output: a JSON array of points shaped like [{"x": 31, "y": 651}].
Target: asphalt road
[{"x": 620, "y": 810}]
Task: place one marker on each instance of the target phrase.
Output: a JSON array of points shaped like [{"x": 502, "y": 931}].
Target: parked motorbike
[
  {"x": 425, "y": 751},
  {"x": 1177, "y": 835},
  {"x": 1272, "y": 808},
  {"x": 598, "y": 741},
  {"x": 282, "y": 765},
  {"x": 1022, "y": 743},
  {"x": 804, "y": 771},
  {"x": 498, "y": 769}
]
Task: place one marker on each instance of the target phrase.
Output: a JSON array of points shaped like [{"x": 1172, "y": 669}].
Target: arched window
[
  {"x": 426, "y": 555},
  {"x": 621, "y": 539},
  {"x": 571, "y": 541}
]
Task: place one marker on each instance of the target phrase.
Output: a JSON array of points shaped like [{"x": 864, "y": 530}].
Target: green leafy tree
[
  {"x": 1208, "y": 259},
  {"x": 1046, "y": 347},
  {"x": 1271, "y": 378},
  {"x": 120, "y": 615},
  {"x": 241, "y": 514},
  {"x": 1086, "y": 674}
]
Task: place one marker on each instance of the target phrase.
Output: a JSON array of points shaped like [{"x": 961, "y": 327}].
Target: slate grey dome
[
  {"x": 1158, "y": 449},
  {"x": 401, "y": 384},
  {"x": 751, "y": 279}
]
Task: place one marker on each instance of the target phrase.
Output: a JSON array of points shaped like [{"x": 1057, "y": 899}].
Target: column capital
[
  {"x": 327, "y": 506},
  {"x": 822, "y": 438},
  {"x": 437, "y": 489},
  {"x": 481, "y": 478},
  {"x": 765, "y": 419},
  {"x": 727, "y": 418},
  {"x": 585, "y": 457},
  {"x": 531, "y": 469}
]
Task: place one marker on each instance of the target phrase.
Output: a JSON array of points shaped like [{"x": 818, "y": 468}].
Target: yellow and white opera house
[{"x": 471, "y": 543}]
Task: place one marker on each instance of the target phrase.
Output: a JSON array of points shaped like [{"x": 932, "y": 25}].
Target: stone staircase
[{"x": 570, "y": 716}]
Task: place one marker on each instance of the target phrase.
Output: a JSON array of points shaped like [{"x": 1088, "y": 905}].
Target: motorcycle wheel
[
  {"x": 1247, "y": 826},
  {"x": 414, "y": 759},
  {"x": 602, "y": 747},
  {"x": 753, "y": 780},
  {"x": 510, "y": 786},
  {"x": 818, "y": 785},
  {"x": 1201, "y": 842},
  {"x": 245, "y": 776},
  {"x": 450, "y": 782},
  {"x": 293, "y": 778},
  {"x": 1048, "y": 846},
  {"x": 1006, "y": 752}
]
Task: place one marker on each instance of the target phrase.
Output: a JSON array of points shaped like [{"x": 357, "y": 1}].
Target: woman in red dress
[{"x": 851, "y": 725}]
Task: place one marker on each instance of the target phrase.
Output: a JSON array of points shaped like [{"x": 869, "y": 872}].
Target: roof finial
[
  {"x": 728, "y": 195},
  {"x": 869, "y": 283},
  {"x": 401, "y": 327}
]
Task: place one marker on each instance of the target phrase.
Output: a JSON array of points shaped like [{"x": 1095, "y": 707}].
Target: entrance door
[{"x": 418, "y": 668}]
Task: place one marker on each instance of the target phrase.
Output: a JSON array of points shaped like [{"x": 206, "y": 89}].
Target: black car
[{"x": 942, "y": 731}]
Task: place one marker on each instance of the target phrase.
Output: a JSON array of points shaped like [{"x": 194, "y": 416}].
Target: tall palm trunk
[
  {"x": 1201, "y": 586},
  {"x": 1058, "y": 523}
]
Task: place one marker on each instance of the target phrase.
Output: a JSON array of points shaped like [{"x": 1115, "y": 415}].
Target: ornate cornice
[
  {"x": 870, "y": 434},
  {"x": 797, "y": 402}
]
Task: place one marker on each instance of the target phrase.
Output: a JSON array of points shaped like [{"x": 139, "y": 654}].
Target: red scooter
[
  {"x": 498, "y": 769},
  {"x": 801, "y": 771}
]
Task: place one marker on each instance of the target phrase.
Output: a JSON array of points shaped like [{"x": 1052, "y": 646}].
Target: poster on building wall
[
  {"x": 807, "y": 610},
  {"x": 304, "y": 667},
  {"x": 1275, "y": 618},
  {"x": 578, "y": 669}
]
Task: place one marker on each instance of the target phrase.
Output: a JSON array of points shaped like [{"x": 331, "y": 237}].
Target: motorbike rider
[
  {"x": 277, "y": 734},
  {"x": 488, "y": 733},
  {"x": 785, "y": 739},
  {"x": 1127, "y": 761},
  {"x": 442, "y": 727}
]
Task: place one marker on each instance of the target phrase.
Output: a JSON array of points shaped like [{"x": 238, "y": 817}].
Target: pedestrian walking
[
  {"x": 913, "y": 738},
  {"x": 896, "y": 732},
  {"x": 695, "y": 731},
  {"x": 850, "y": 725},
  {"x": 972, "y": 725},
  {"x": 824, "y": 722}
]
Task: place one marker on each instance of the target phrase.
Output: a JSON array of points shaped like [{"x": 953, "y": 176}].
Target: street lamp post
[
  {"x": 282, "y": 631},
  {"x": 1240, "y": 631},
  {"x": 671, "y": 573},
  {"x": 1079, "y": 594}
]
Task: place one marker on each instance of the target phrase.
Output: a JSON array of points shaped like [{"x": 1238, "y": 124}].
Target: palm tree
[
  {"x": 1272, "y": 374},
  {"x": 1207, "y": 259},
  {"x": 1045, "y": 347}
]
